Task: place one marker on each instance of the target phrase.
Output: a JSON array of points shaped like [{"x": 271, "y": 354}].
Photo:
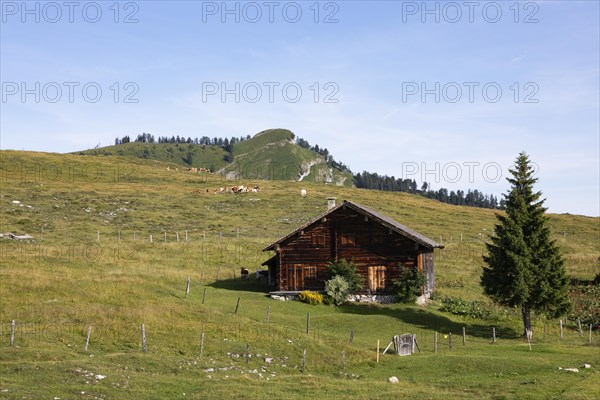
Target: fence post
[
  {"x": 187, "y": 287},
  {"x": 237, "y": 305},
  {"x": 201, "y": 344},
  {"x": 561, "y": 329},
  {"x": 87, "y": 340},
  {"x": 268, "y": 313},
  {"x": 307, "y": 323},
  {"x": 450, "y": 340},
  {"x": 343, "y": 361},
  {"x": 464, "y": 336},
  {"x": 304, "y": 361},
  {"x": 12, "y": 332},
  {"x": 144, "y": 348},
  {"x": 351, "y": 336},
  {"x": 435, "y": 342},
  {"x": 494, "y": 335},
  {"x": 203, "y": 295},
  {"x": 378, "y": 351},
  {"x": 247, "y": 353},
  {"x": 590, "y": 339},
  {"x": 579, "y": 327}
]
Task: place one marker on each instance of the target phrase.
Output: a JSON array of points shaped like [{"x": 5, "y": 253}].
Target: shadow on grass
[
  {"x": 431, "y": 320},
  {"x": 245, "y": 285}
]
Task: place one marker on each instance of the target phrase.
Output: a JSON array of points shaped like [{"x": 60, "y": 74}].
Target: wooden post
[
  {"x": 494, "y": 335},
  {"x": 87, "y": 340},
  {"x": 461, "y": 237},
  {"x": 144, "y": 348},
  {"x": 307, "y": 323},
  {"x": 247, "y": 353},
  {"x": 165, "y": 236},
  {"x": 590, "y": 339},
  {"x": 268, "y": 313},
  {"x": 464, "y": 336},
  {"x": 187, "y": 288},
  {"x": 343, "y": 360},
  {"x": 561, "y": 329},
  {"x": 237, "y": 305},
  {"x": 150, "y": 238},
  {"x": 450, "y": 340},
  {"x": 435, "y": 342},
  {"x": 304, "y": 361},
  {"x": 177, "y": 236},
  {"x": 579, "y": 327},
  {"x": 218, "y": 272},
  {"x": 351, "y": 336},
  {"x": 203, "y": 295},
  {"x": 201, "y": 344},
  {"x": 12, "y": 332},
  {"x": 186, "y": 235},
  {"x": 377, "y": 350},
  {"x": 97, "y": 236},
  {"x": 529, "y": 333}
]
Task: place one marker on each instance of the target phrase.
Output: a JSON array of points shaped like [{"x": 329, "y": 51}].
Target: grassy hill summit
[{"x": 272, "y": 154}]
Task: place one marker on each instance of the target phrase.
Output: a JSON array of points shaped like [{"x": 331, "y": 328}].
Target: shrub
[
  {"x": 311, "y": 298},
  {"x": 348, "y": 271},
  {"x": 409, "y": 285},
  {"x": 586, "y": 304},
  {"x": 458, "y": 306},
  {"x": 338, "y": 289}
]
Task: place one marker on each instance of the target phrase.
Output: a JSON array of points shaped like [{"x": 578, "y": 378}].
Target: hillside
[
  {"x": 270, "y": 155},
  {"x": 115, "y": 239},
  {"x": 273, "y": 154}
]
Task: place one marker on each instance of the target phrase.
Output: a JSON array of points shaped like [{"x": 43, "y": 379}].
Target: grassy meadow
[{"x": 116, "y": 239}]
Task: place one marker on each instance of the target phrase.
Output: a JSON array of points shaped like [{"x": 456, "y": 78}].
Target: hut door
[
  {"x": 295, "y": 277},
  {"x": 376, "y": 278}
]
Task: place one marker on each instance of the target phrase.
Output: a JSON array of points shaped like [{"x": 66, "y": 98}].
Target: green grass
[{"x": 65, "y": 280}]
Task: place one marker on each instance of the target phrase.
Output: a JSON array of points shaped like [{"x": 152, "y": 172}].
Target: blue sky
[{"x": 447, "y": 92}]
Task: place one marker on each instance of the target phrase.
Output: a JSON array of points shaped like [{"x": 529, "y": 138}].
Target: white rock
[
  {"x": 571, "y": 369},
  {"x": 587, "y": 366},
  {"x": 16, "y": 202},
  {"x": 269, "y": 360},
  {"x": 100, "y": 377},
  {"x": 209, "y": 370},
  {"x": 393, "y": 379}
]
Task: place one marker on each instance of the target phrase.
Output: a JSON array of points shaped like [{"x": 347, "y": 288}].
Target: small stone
[
  {"x": 100, "y": 377},
  {"x": 209, "y": 370},
  {"x": 571, "y": 369},
  {"x": 393, "y": 379},
  {"x": 269, "y": 360},
  {"x": 587, "y": 366}
]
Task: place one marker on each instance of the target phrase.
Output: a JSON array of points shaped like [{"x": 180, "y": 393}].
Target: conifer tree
[{"x": 525, "y": 267}]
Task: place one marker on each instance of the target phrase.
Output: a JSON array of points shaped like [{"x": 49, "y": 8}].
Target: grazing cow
[
  {"x": 303, "y": 193},
  {"x": 262, "y": 273},
  {"x": 244, "y": 272}
]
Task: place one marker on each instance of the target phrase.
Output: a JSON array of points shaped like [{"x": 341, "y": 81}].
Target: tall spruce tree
[{"x": 524, "y": 265}]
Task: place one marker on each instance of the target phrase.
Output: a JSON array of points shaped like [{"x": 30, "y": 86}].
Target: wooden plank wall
[{"x": 347, "y": 234}]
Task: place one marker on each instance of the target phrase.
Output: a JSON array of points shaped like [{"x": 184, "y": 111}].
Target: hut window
[
  {"x": 348, "y": 239},
  {"x": 378, "y": 238},
  {"x": 310, "y": 272},
  {"x": 318, "y": 240},
  {"x": 376, "y": 278}
]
